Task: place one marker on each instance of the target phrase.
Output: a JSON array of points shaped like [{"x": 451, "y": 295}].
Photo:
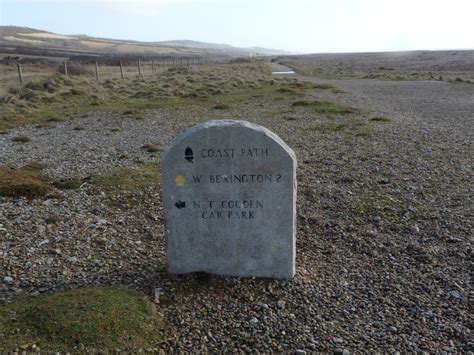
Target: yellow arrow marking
[{"x": 179, "y": 180}]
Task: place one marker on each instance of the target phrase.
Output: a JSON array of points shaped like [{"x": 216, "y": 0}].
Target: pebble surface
[{"x": 364, "y": 282}]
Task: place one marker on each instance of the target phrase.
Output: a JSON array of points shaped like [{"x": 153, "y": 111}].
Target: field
[{"x": 384, "y": 212}]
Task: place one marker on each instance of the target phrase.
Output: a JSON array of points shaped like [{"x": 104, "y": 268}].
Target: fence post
[
  {"x": 97, "y": 71},
  {"x": 187, "y": 62},
  {"x": 164, "y": 64},
  {"x": 181, "y": 61},
  {"x": 173, "y": 62},
  {"x": 139, "y": 69},
  {"x": 20, "y": 74},
  {"x": 121, "y": 69},
  {"x": 65, "y": 68},
  {"x": 153, "y": 65}
]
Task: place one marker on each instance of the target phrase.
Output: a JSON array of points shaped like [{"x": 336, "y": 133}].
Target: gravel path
[{"x": 374, "y": 279}]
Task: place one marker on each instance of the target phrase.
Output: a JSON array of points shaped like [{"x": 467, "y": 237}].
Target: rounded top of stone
[{"x": 230, "y": 123}]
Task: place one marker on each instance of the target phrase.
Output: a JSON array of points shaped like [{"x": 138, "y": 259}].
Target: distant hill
[{"x": 23, "y": 39}]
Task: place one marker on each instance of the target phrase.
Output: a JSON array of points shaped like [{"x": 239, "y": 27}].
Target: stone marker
[{"x": 229, "y": 192}]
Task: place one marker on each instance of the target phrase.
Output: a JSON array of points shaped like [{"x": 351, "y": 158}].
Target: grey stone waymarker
[{"x": 229, "y": 192}]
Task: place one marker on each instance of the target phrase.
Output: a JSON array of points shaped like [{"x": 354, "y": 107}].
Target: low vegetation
[
  {"x": 327, "y": 107},
  {"x": 380, "y": 119},
  {"x": 150, "y": 148},
  {"x": 90, "y": 319},
  {"x": 389, "y": 208},
  {"x": 60, "y": 96},
  {"x": 21, "y": 139},
  {"x": 25, "y": 182},
  {"x": 130, "y": 178},
  {"x": 67, "y": 183}
]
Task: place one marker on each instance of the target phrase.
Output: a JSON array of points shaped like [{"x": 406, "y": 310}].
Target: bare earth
[{"x": 384, "y": 238}]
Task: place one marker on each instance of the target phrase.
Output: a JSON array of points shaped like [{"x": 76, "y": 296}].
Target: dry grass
[
  {"x": 22, "y": 183},
  {"x": 60, "y": 96}
]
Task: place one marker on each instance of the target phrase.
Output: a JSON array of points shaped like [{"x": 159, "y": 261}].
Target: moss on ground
[{"x": 94, "y": 319}]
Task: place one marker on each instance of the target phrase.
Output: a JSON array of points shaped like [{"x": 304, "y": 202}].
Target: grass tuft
[
  {"x": 21, "y": 139},
  {"x": 53, "y": 219},
  {"x": 380, "y": 119},
  {"x": 22, "y": 182},
  {"x": 150, "y": 148},
  {"x": 221, "y": 107},
  {"x": 67, "y": 183}
]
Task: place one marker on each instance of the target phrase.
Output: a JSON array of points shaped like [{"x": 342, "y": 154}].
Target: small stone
[
  {"x": 455, "y": 295},
  {"x": 300, "y": 352},
  {"x": 8, "y": 280},
  {"x": 253, "y": 320},
  {"x": 392, "y": 329},
  {"x": 377, "y": 220},
  {"x": 415, "y": 229},
  {"x": 281, "y": 304},
  {"x": 158, "y": 293},
  {"x": 340, "y": 351},
  {"x": 338, "y": 340}
]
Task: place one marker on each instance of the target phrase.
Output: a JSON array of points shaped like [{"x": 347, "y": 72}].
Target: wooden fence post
[
  {"x": 187, "y": 62},
  {"x": 153, "y": 65},
  {"x": 181, "y": 61},
  {"x": 65, "y": 68},
  {"x": 97, "y": 71},
  {"x": 164, "y": 64},
  {"x": 139, "y": 69},
  {"x": 20, "y": 74},
  {"x": 121, "y": 69}
]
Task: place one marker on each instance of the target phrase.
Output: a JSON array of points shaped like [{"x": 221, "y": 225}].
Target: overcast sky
[{"x": 295, "y": 25}]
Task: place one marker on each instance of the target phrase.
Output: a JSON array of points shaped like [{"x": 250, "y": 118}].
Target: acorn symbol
[{"x": 188, "y": 154}]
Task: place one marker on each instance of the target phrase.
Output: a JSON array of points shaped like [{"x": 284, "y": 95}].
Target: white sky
[{"x": 295, "y": 25}]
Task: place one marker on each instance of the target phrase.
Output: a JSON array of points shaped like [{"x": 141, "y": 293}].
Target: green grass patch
[
  {"x": 22, "y": 183},
  {"x": 130, "y": 177},
  {"x": 95, "y": 319},
  {"x": 67, "y": 183}
]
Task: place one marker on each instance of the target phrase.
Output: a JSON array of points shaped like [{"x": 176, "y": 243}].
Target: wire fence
[{"x": 122, "y": 69}]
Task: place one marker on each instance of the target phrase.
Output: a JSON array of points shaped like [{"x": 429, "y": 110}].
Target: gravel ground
[{"x": 372, "y": 279}]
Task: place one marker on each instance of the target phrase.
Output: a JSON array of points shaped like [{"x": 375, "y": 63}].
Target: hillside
[{"x": 23, "y": 39}]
